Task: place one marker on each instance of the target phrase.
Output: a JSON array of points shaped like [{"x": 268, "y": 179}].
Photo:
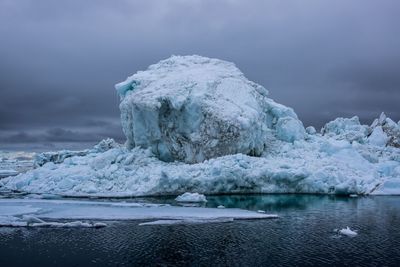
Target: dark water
[{"x": 302, "y": 236}]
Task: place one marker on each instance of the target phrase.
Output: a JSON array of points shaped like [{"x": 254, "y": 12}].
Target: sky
[{"x": 59, "y": 60}]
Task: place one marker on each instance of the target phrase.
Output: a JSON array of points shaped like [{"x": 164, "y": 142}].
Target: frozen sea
[{"x": 303, "y": 235}]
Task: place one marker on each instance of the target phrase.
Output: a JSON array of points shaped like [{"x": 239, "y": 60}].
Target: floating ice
[
  {"x": 38, "y": 213},
  {"x": 348, "y": 232},
  {"x": 191, "y": 197}
]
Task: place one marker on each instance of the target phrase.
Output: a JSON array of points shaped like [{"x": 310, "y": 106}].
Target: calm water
[{"x": 302, "y": 236}]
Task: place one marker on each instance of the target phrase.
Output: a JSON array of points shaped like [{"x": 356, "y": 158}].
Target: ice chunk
[
  {"x": 348, "y": 232},
  {"x": 60, "y": 156},
  {"x": 192, "y": 108},
  {"x": 311, "y": 130},
  {"x": 378, "y": 137},
  {"x": 348, "y": 129},
  {"x": 290, "y": 129},
  {"x": 390, "y": 128},
  {"x": 191, "y": 197}
]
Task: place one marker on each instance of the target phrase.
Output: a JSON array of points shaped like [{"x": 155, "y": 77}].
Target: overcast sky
[{"x": 59, "y": 60}]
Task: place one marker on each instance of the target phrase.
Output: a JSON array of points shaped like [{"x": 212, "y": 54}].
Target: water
[{"x": 302, "y": 236}]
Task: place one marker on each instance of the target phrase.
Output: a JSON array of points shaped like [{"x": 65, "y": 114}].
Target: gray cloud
[{"x": 60, "y": 59}]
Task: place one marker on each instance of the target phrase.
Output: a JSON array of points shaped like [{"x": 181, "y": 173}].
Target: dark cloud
[{"x": 61, "y": 59}]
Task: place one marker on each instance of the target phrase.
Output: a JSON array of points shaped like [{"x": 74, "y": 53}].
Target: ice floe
[{"x": 54, "y": 213}]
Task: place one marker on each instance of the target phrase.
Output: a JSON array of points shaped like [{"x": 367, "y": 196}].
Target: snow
[
  {"x": 39, "y": 213},
  {"x": 195, "y": 124},
  {"x": 191, "y": 197},
  {"x": 347, "y": 232},
  {"x": 193, "y": 108}
]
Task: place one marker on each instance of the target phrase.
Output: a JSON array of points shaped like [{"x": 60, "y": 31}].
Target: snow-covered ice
[
  {"x": 39, "y": 213},
  {"x": 191, "y": 197},
  {"x": 222, "y": 135},
  {"x": 348, "y": 232}
]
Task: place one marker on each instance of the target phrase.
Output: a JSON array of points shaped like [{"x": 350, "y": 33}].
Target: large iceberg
[
  {"x": 192, "y": 108},
  {"x": 195, "y": 124}
]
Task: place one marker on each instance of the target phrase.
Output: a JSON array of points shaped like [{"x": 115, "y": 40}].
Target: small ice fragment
[
  {"x": 221, "y": 207},
  {"x": 260, "y": 211},
  {"x": 191, "y": 197},
  {"x": 348, "y": 232},
  {"x": 353, "y": 195}
]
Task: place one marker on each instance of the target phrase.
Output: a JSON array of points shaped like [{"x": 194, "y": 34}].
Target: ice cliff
[
  {"x": 195, "y": 124},
  {"x": 192, "y": 108}
]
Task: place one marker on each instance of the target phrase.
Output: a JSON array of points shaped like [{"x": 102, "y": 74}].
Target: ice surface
[
  {"x": 192, "y": 108},
  {"x": 191, "y": 197},
  {"x": 378, "y": 137},
  {"x": 390, "y": 128},
  {"x": 311, "y": 130},
  {"x": 348, "y": 232},
  {"x": 348, "y": 129},
  {"x": 5, "y": 173},
  {"x": 37, "y": 213},
  {"x": 316, "y": 165},
  {"x": 59, "y": 156}
]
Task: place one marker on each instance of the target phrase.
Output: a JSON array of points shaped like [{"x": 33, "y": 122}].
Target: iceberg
[
  {"x": 195, "y": 124},
  {"x": 192, "y": 108}
]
